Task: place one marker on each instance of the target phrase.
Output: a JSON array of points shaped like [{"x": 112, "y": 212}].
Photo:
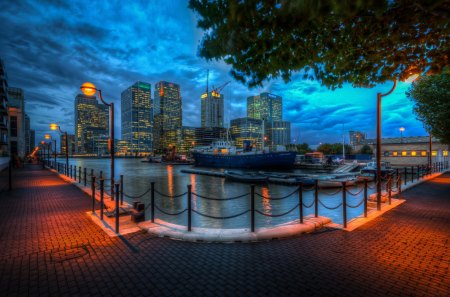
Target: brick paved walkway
[{"x": 50, "y": 247}]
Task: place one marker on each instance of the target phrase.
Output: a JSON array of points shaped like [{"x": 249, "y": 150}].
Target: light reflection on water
[{"x": 171, "y": 181}]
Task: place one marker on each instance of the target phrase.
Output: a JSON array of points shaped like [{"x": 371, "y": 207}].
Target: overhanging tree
[
  {"x": 335, "y": 42},
  {"x": 431, "y": 96}
]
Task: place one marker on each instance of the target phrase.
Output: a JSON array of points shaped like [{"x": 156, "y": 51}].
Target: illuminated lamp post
[
  {"x": 410, "y": 79},
  {"x": 89, "y": 89},
  {"x": 49, "y": 137},
  {"x": 57, "y": 127},
  {"x": 401, "y": 134},
  {"x": 43, "y": 144}
]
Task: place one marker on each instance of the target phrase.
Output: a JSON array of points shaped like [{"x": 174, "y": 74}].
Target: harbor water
[{"x": 170, "y": 181}]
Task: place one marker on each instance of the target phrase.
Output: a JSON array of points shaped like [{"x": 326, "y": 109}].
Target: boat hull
[{"x": 249, "y": 161}]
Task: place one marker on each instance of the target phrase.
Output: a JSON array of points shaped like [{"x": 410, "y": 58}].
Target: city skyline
[{"x": 69, "y": 51}]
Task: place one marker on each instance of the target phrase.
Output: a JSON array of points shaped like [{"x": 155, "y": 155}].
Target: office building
[
  {"x": 277, "y": 133},
  {"x": 204, "y": 136},
  {"x": 91, "y": 124},
  {"x": 167, "y": 115},
  {"x": 408, "y": 151},
  {"x": 137, "y": 118},
  {"x": 265, "y": 106},
  {"x": 16, "y": 110},
  {"x": 70, "y": 143},
  {"x": 187, "y": 139},
  {"x": 4, "y": 117},
  {"x": 212, "y": 109},
  {"x": 32, "y": 140},
  {"x": 246, "y": 129}
]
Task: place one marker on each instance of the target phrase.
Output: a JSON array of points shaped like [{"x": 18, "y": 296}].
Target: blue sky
[{"x": 51, "y": 47}]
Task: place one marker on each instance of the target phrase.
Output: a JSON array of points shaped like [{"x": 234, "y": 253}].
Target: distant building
[
  {"x": 4, "y": 117},
  {"x": 212, "y": 109},
  {"x": 123, "y": 148},
  {"x": 91, "y": 124},
  {"x": 246, "y": 129},
  {"x": 408, "y": 150},
  {"x": 356, "y": 137},
  {"x": 28, "y": 147},
  {"x": 16, "y": 109},
  {"x": 32, "y": 140},
  {"x": 137, "y": 117},
  {"x": 206, "y": 135},
  {"x": 70, "y": 143},
  {"x": 277, "y": 133},
  {"x": 265, "y": 106},
  {"x": 187, "y": 139},
  {"x": 167, "y": 115}
]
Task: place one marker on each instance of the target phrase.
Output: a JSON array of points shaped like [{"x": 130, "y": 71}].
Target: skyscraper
[
  {"x": 356, "y": 137},
  {"x": 265, "y": 106},
  {"x": 137, "y": 117},
  {"x": 91, "y": 124},
  {"x": 17, "y": 121},
  {"x": 212, "y": 109},
  {"x": 167, "y": 115}
]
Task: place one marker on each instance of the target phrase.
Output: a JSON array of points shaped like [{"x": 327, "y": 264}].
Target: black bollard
[
  {"x": 365, "y": 198},
  {"x": 117, "y": 207},
  {"x": 344, "y": 204},
  {"x": 252, "y": 208},
  {"x": 102, "y": 184},
  {"x": 79, "y": 174},
  {"x": 316, "y": 198},
  {"x": 75, "y": 173},
  {"x": 121, "y": 189},
  {"x": 406, "y": 175},
  {"x": 300, "y": 202},
  {"x": 93, "y": 193},
  {"x": 85, "y": 176},
  {"x": 189, "y": 205},
  {"x": 152, "y": 201}
]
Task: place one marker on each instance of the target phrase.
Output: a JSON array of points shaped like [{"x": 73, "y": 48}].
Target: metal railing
[{"x": 392, "y": 183}]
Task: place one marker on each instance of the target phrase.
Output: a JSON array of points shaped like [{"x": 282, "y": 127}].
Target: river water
[{"x": 169, "y": 180}]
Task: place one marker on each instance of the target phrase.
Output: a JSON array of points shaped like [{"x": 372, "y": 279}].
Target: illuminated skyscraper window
[
  {"x": 212, "y": 109},
  {"x": 265, "y": 106}
]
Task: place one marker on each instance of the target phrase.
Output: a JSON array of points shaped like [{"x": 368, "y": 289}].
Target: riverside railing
[{"x": 392, "y": 184}]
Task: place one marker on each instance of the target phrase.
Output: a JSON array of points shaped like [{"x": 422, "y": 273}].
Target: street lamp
[
  {"x": 48, "y": 136},
  {"x": 401, "y": 134},
  {"x": 54, "y": 127},
  {"x": 43, "y": 144},
  {"x": 410, "y": 79},
  {"x": 89, "y": 89}
]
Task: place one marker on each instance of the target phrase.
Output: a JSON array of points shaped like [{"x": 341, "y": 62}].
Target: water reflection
[{"x": 171, "y": 181}]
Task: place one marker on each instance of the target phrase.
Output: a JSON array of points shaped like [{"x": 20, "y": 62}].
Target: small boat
[
  {"x": 336, "y": 182},
  {"x": 371, "y": 167},
  {"x": 152, "y": 159},
  {"x": 365, "y": 176},
  {"x": 245, "y": 177}
]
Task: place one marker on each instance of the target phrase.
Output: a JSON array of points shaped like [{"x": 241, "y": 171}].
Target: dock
[{"x": 203, "y": 172}]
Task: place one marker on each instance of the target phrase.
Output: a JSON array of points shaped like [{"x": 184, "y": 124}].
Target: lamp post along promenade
[
  {"x": 89, "y": 89},
  {"x": 57, "y": 127}
]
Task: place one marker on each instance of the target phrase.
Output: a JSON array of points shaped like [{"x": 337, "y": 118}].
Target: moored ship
[{"x": 222, "y": 154}]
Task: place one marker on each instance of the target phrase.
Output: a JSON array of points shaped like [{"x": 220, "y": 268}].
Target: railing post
[
  {"x": 93, "y": 193},
  {"x": 70, "y": 171},
  {"x": 412, "y": 174},
  {"x": 75, "y": 173},
  {"x": 406, "y": 175},
  {"x": 399, "y": 185},
  {"x": 92, "y": 172},
  {"x": 101, "y": 174},
  {"x": 85, "y": 178},
  {"x": 10, "y": 174},
  {"x": 189, "y": 205},
  {"x": 79, "y": 174},
  {"x": 396, "y": 176},
  {"x": 389, "y": 188},
  {"x": 102, "y": 184},
  {"x": 418, "y": 172},
  {"x": 344, "y": 204},
  {"x": 316, "y": 198},
  {"x": 153, "y": 201},
  {"x": 300, "y": 202},
  {"x": 121, "y": 189},
  {"x": 252, "y": 207},
  {"x": 365, "y": 198},
  {"x": 117, "y": 207}
]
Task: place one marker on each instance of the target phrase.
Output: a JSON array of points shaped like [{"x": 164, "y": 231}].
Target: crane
[{"x": 219, "y": 89}]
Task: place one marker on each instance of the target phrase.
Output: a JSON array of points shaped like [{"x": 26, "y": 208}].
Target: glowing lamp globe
[
  {"x": 42, "y": 142},
  {"x": 402, "y": 129},
  {"x": 88, "y": 89},
  {"x": 47, "y": 136},
  {"x": 53, "y": 126}
]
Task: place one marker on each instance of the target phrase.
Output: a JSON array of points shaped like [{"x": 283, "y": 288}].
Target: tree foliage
[
  {"x": 366, "y": 149},
  {"x": 303, "y": 148},
  {"x": 335, "y": 41},
  {"x": 334, "y": 148},
  {"x": 431, "y": 95}
]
